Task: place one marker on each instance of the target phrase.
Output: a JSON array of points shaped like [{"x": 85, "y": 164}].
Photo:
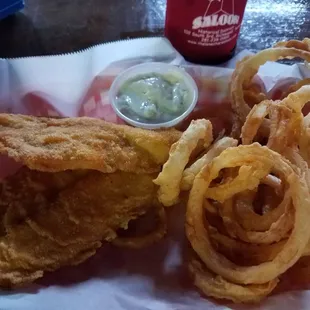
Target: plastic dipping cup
[{"x": 151, "y": 68}]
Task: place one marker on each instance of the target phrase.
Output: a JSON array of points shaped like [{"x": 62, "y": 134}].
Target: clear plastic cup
[{"x": 149, "y": 68}]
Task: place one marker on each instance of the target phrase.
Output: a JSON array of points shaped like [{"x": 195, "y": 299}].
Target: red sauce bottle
[{"x": 204, "y": 31}]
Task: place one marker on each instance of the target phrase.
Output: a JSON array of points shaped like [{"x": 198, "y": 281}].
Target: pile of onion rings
[
  {"x": 270, "y": 252},
  {"x": 248, "y": 209},
  {"x": 248, "y": 68}
]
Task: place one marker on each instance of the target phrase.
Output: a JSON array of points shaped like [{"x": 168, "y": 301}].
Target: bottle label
[
  {"x": 215, "y": 20},
  {"x": 219, "y": 25},
  {"x": 204, "y": 29}
]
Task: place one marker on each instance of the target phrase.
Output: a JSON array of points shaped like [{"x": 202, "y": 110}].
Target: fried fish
[
  {"x": 52, "y": 145},
  {"x": 50, "y": 220}
]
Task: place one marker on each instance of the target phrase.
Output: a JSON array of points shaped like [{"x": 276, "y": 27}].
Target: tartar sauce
[{"x": 154, "y": 97}]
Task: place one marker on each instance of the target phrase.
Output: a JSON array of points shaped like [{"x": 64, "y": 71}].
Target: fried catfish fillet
[
  {"x": 27, "y": 191},
  {"x": 50, "y": 220},
  {"x": 52, "y": 145}
]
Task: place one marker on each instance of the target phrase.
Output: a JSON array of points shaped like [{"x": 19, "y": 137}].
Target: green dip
[{"x": 154, "y": 98}]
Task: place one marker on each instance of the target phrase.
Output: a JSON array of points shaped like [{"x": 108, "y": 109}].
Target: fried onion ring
[
  {"x": 216, "y": 286},
  {"x": 293, "y": 88},
  {"x": 246, "y": 70},
  {"x": 216, "y": 149},
  {"x": 170, "y": 178},
  {"x": 277, "y": 231},
  {"x": 287, "y": 127},
  {"x": 247, "y": 218},
  {"x": 298, "y": 239},
  {"x": 254, "y": 120},
  {"x": 238, "y": 251}
]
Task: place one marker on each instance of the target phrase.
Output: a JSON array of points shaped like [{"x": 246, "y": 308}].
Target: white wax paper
[{"x": 116, "y": 279}]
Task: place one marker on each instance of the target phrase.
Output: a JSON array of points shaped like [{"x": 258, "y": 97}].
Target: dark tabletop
[{"x": 62, "y": 26}]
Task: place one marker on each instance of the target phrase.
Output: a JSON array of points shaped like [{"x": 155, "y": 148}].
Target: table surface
[{"x": 63, "y": 26}]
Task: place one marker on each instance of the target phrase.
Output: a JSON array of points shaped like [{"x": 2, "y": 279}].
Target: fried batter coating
[
  {"x": 50, "y": 220},
  {"x": 52, "y": 145}
]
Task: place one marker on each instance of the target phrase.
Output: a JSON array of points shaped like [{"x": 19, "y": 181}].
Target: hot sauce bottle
[{"x": 204, "y": 31}]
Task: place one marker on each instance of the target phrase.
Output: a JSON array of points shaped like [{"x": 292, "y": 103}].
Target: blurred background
[{"x": 62, "y": 26}]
